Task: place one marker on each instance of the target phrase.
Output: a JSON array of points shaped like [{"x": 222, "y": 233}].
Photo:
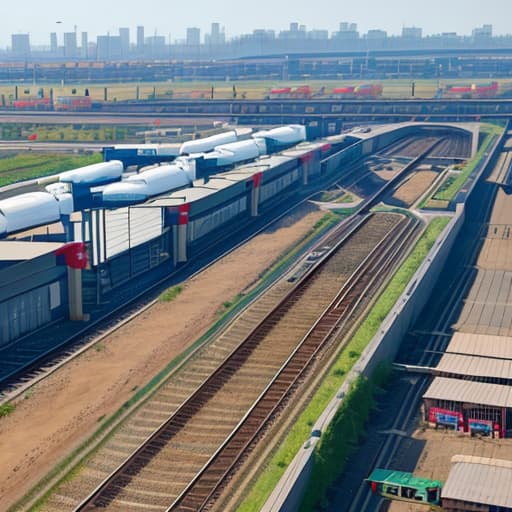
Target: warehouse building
[{"x": 478, "y": 484}]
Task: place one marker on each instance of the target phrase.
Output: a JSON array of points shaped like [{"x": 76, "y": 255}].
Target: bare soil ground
[
  {"x": 62, "y": 411},
  {"x": 413, "y": 188}
]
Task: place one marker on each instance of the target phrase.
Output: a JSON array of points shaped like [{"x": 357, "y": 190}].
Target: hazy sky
[{"x": 39, "y": 17}]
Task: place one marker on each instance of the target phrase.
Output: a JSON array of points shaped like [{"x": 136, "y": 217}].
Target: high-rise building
[
  {"x": 193, "y": 36},
  {"x": 108, "y": 48},
  {"x": 483, "y": 32},
  {"x": 124, "y": 34},
  {"x": 140, "y": 38},
  {"x": 20, "y": 45},
  {"x": 216, "y": 36},
  {"x": 84, "y": 50},
  {"x": 70, "y": 44},
  {"x": 412, "y": 32},
  {"x": 376, "y": 34},
  {"x": 347, "y": 31},
  {"x": 54, "y": 46}
]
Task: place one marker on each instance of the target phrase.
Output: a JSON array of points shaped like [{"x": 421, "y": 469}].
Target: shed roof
[
  {"x": 21, "y": 251},
  {"x": 481, "y": 345},
  {"x": 479, "y": 480},
  {"x": 466, "y": 391},
  {"x": 476, "y": 366},
  {"x": 402, "y": 478}
]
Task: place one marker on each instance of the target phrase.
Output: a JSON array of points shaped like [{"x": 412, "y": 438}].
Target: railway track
[{"x": 191, "y": 448}]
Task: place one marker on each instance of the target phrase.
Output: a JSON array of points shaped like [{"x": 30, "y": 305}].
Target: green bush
[
  {"x": 6, "y": 409},
  {"x": 339, "y": 441},
  {"x": 171, "y": 293}
]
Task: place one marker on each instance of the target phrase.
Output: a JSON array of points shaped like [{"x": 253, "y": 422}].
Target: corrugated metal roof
[
  {"x": 456, "y": 390},
  {"x": 186, "y": 195},
  {"x": 476, "y": 366},
  {"x": 21, "y": 251},
  {"x": 481, "y": 345},
  {"x": 479, "y": 480}
]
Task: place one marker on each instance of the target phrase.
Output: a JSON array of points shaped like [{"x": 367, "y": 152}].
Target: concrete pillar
[
  {"x": 305, "y": 162},
  {"x": 174, "y": 243},
  {"x": 76, "y": 312},
  {"x": 255, "y": 194},
  {"x": 474, "y": 141},
  {"x": 183, "y": 212}
]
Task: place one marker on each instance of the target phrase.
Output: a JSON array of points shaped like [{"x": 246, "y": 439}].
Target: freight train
[
  {"x": 476, "y": 91},
  {"x": 363, "y": 91},
  {"x": 106, "y": 185}
]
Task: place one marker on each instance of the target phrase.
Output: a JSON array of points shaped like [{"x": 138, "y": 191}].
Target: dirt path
[{"x": 65, "y": 408}]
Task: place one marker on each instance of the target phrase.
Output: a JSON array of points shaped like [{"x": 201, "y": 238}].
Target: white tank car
[
  {"x": 95, "y": 174},
  {"x": 66, "y": 205},
  {"x": 241, "y": 151},
  {"x": 28, "y": 210},
  {"x": 291, "y": 134},
  {"x": 208, "y": 143},
  {"x": 151, "y": 182}
]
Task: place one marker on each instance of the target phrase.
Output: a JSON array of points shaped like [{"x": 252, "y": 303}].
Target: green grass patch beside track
[
  {"x": 300, "y": 432},
  {"x": 36, "y": 165},
  {"x": 171, "y": 293},
  {"x": 454, "y": 182},
  {"x": 6, "y": 409}
]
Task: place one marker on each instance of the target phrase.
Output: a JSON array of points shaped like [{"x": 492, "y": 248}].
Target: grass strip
[
  {"x": 453, "y": 183},
  {"x": 300, "y": 432},
  {"x": 6, "y": 409},
  {"x": 25, "y": 167},
  {"x": 170, "y": 294},
  {"x": 340, "y": 440}
]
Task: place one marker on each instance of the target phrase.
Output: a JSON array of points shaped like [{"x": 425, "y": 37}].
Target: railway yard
[{"x": 196, "y": 440}]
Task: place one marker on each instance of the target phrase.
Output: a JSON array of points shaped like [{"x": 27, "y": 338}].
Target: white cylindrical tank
[
  {"x": 162, "y": 179},
  {"x": 65, "y": 203},
  {"x": 152, "y": 182},
  {"x": 290, "y": 134},
  {"x": 57, "y": 188},
  {"x": 95, "y": 174},
  {"x": 208, "y": 143},
  {"x": 241, "y": 151},
  {"x": 3, "y": 225},
  {"x": 29, "y": 210}
]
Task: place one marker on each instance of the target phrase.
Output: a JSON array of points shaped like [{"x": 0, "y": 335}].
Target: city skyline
[{"x": 434, "y": 17}]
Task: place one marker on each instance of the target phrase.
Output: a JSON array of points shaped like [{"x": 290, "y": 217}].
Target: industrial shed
[
  {"x": 469, "y": 406},
  {"x": 478, "y": 484}
]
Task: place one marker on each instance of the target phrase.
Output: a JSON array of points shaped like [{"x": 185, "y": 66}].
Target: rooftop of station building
[
  {"x": 16, "y": 250},
  {"x": 479, "y": 480},
  {"x": 466, "y": 391}
]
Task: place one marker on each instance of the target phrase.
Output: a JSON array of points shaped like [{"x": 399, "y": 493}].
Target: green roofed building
[{"x": 399, "y": 485}]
